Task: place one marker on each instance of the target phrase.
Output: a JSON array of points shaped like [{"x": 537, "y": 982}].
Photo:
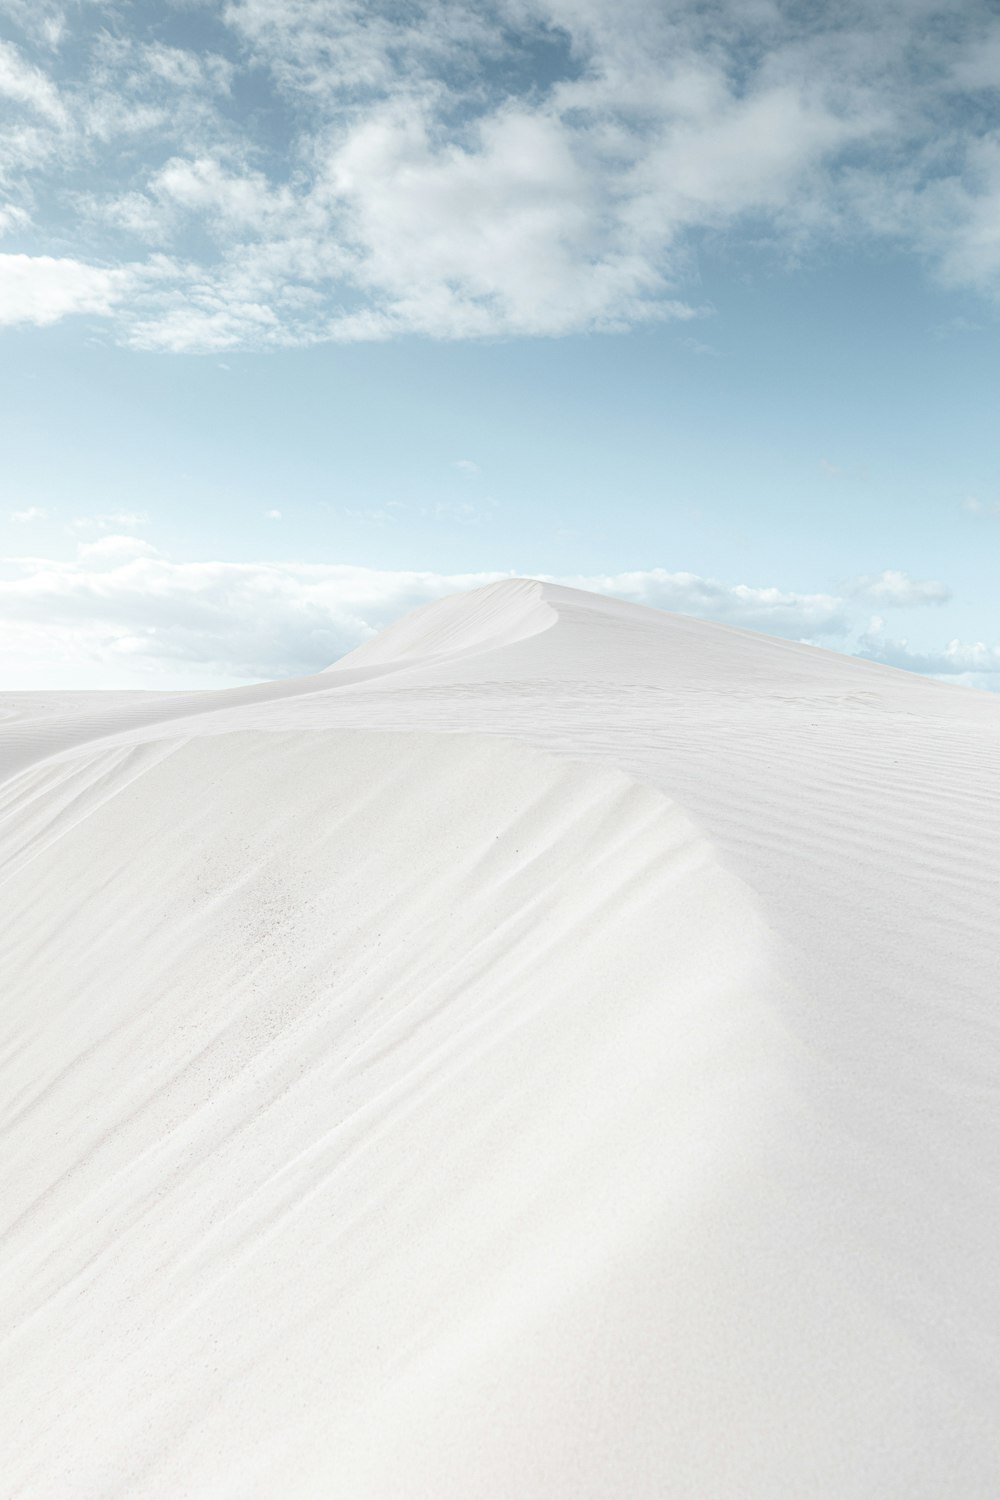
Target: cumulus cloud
[
  {"x": 502, "y": 234},
  {"x": 975, "y": 663},
  {"x": 894, "y": 587},
  {"x": 525, "y": 167}
]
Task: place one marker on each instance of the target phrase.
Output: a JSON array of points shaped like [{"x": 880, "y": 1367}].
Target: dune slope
[{"x": 552, "y": 1053}]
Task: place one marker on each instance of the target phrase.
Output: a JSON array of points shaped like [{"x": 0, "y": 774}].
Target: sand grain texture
[{"x": 552, "y": 1053}]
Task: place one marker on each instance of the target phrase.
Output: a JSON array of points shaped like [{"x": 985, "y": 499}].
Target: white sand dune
[{"x": 553, "y": 1053}]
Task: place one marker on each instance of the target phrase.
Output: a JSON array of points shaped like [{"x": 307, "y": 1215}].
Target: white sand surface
[{"x": 553, "y": 1053}]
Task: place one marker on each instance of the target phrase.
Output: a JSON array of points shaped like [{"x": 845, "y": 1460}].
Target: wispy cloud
[
  {"x": 22, "y": 83},
  {"x": 414, "y": 170},
  {"x": 894, "y": 587},
  {"x": 464, "y": 512},
  {"x": 699, "y": 347},
  {"x": 42, "y": 21},
  {"x": 28, "y": 515},
  {"x": 775, "y": 611},
  {"x": 111, "y": 520}
]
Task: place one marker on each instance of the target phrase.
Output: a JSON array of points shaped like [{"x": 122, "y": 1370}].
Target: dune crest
[
  {"x": 551, "y": 1053},
  {"x": 498, "y": 614}
]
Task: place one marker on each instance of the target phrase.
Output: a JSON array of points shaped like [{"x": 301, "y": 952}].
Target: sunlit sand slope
[{"x": 551, "y": 1054}]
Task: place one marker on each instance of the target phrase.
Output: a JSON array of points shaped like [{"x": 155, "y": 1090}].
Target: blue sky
[{"x": 313, "y": 310}]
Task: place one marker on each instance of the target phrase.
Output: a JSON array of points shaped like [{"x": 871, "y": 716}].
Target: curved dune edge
[
  {"x": 345, "y": 1068},
  {"x": 520, "y": 630},
  {"x": 703, "y": 1201},
  {"x": 39, "y": 726},
  {"x": 486, "y": 619}
]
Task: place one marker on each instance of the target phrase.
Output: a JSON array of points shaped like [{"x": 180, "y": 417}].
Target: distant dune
[{"x": 554, "y": 1054}]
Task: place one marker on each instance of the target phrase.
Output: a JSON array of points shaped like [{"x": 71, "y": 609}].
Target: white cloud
[
  {"x": 774, "y": 611},
  {"x": 699, "y": 347},
  {"x": 235, "y": 202},
  {"x": 188, "y": 70},
  {"x": 414, "y": 171},
  {"x": 23, "y": 83},
  {"x": 25, "y": 517},
  {"x": 326, "y": 49},
  {"x": 894, "y": 587},
  {"x": 207, "y": 321},
  {"x": 510, "y": 233},
  {"x": 973, "y": 663},
  {"x": 272, "y": 515},
  {"x": 41, "y": 289},
  {"x": 42, "y": 21},
  {"x": 13, "y": 216},
  {"x": 976, "y": 507},
  {"x": 964, "y": 228},
  {"x": 466, "y": 466}
]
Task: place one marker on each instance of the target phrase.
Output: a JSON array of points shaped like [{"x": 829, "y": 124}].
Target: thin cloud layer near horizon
[{"x": 316, "y": 310}]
